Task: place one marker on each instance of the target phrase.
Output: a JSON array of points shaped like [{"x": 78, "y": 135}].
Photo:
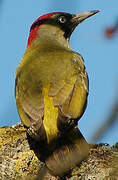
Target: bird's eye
[{"x": 62, "y": 19}]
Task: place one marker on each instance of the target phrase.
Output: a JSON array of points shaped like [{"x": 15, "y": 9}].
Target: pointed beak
[{"x": 78, "y": 18}]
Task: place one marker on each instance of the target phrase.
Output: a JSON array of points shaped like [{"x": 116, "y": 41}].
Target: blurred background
[{"x": 96, "y": 39}]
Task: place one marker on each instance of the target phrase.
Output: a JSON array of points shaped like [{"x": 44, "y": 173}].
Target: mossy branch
[{"x": 18, "y": 161}]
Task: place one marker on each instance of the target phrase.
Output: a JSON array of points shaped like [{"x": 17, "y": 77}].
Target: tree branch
[{"x": 18, "y": 161}]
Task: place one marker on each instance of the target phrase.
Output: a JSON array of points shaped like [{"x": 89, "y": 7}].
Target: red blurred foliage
[{"x": 110, "y": 32}]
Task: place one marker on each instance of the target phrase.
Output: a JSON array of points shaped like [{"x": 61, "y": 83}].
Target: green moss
[
  {"x": 9, "y": 134},
  {"x": 26, "y": 165}
]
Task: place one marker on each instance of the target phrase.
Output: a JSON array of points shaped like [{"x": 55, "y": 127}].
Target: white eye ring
[{"x": 62, "y": 19}]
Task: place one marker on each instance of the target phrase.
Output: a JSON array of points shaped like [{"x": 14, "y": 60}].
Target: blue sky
[{"x": 100, "y": 55}]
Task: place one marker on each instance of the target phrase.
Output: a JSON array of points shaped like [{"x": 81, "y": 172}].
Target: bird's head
[{"x": 57, "y": 23}]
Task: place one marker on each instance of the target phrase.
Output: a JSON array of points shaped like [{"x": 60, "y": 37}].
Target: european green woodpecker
[{"x": 51, "y": 79}]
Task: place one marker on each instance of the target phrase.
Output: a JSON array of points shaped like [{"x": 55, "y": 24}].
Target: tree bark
[{"x": 19, "y": 161}]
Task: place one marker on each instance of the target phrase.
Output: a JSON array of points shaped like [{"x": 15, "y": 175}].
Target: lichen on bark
[{"x": 18, "y": 160}]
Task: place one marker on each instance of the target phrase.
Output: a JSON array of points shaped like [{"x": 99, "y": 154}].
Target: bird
[{"x": 51, "y": 85}]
